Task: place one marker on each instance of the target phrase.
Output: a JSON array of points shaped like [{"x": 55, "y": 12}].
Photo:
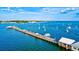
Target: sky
[{"x": 40, "y": 13}]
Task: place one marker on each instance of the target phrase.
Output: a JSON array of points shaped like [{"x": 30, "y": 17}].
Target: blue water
[{"x": 11, "y": 40}]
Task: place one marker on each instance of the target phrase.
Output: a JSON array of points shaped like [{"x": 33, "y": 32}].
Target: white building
[
  {"x": 75, "y": 46},
  {"x": 66, "y": 42}
]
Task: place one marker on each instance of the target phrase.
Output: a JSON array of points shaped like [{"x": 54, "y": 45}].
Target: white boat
[
  {"x": 44, "y": 28},
  {"x": 39, "y": 27},
  {"x": 69, "y": 27},
  {"x": 67, "y": 30},
  {"x": 37, "y": 33},
  {"x": 32, "y": 22},
  {"x": 47, "y": 34},
  {"x": 8, "y": 26}
]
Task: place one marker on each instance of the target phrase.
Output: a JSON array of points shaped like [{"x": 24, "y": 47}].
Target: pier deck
[{"x": 42, "y": 37}]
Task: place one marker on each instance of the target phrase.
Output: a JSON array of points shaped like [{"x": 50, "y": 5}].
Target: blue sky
[{"x": 40, "y": 13}]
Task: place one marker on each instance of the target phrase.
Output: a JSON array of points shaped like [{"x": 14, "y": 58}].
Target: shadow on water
[
  {"x": 53, "y": 44},
  {"x": 50, "y": 44}
]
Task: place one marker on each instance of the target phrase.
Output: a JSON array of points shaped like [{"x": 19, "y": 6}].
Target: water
[{"x": 11, "y": 40}]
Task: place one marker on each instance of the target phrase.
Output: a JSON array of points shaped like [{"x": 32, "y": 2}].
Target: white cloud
[
  {"x": 52, "y": 10},
  {"x": 43, "y": 14},
  {"x": 8, "y": 9},
  {"x": 67, "y": 10}
]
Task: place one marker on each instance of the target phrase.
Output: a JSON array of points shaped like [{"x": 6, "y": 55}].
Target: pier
[
  {"x": 42, "y": 37},
  {"x": 66, "y": 43},
  {"x": 63, "y": 42}
]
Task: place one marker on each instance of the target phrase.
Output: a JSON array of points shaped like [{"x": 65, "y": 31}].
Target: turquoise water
[{"x": 11, "y": 40}]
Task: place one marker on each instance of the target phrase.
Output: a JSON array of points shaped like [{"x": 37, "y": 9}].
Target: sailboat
[
  {"x": 39, "y": 27},
  {"x": 67, "y": 30},
  {"x": 44, "y": 28}
]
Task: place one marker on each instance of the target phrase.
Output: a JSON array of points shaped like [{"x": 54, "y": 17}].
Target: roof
[
  {"x": 66, "y": 40},
  {"x": 76, "y": 45}
]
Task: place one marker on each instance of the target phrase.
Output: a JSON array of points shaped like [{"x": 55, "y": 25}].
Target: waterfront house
[
  {"x": 75, "y": 46},
  {"x": 65, "y": 42}
]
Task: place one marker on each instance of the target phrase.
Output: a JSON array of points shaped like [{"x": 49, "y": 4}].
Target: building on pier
[
  {"x": 63, "y": 42},
  {"x": 75, "y": 46},
  {"x": 66, "y": 42}
]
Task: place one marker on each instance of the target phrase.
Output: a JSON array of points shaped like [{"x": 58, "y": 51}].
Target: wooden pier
[
  {"x": 42, "y": 37},
  {"x": 45, "y": 38}
]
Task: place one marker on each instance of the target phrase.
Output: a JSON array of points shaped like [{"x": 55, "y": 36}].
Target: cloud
[
  {"x": 54, "y": 14},
  {"x": 50, "y": 10},
  {"x": 57, "y": 10},
  {"x": 67, "y": 10},
  {"x": 8, "y": 9}
]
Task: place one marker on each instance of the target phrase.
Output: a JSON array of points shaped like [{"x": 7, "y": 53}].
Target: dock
[
  {"x": 63, "y": 42},
  {"x": 42, "y": 37}
]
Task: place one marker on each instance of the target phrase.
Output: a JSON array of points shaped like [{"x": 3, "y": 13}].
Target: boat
[
  {"x": 44, "y": 28},
  {"x": 47, "y": 34}
]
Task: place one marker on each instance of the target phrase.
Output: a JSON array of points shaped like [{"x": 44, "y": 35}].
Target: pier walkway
[{"x": 42, "y": 37}]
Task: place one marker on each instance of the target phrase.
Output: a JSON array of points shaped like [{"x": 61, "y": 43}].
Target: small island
[{"x": 20, "y": 21}]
